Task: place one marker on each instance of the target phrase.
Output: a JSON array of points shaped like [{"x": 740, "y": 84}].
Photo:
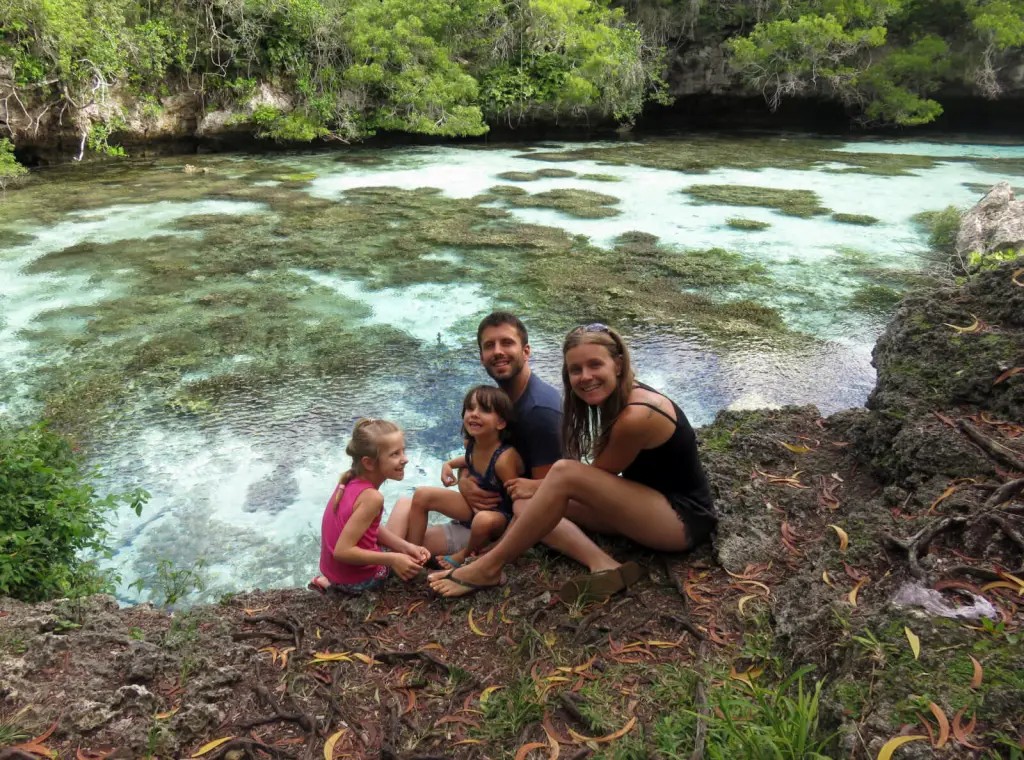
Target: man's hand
[
  {"x": 405, "y": 567},
  {"x": 419, "y": 553},
  {"x": 476, "y": 497},
  {"x": 447, "y": 475},
  {"x": 522, "y": 488}
]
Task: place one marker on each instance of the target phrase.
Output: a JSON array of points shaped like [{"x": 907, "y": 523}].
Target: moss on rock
[
  {"x": 860, "y": 219},
  {"x": 738, "y": 223},
  {"x": 802, "y": 203}
]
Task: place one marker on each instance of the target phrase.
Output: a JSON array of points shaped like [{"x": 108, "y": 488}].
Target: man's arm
[{"x": 476, "y": 497}]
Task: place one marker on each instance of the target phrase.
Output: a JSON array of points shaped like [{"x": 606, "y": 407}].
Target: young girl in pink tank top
[{"x": 351, "y": 558}]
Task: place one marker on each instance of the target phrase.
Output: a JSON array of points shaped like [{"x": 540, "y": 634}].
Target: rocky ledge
[{"x": 881, "y": 546}]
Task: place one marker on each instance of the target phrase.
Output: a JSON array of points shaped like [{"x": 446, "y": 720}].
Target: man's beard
[{"x": 516, "y": 369}]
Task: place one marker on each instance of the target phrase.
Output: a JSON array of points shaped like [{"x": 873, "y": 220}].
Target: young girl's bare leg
[
  {"x": 486, "y": 527},
  {"x": 426, "y": 500},
  {"x": 398, "y": 523}
]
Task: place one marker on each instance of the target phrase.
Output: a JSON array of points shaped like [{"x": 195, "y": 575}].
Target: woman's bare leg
[
  {"x": 427, "y": 499},
  {"x": 567, "y": 538},
  {"x": 627, "y": 508}
]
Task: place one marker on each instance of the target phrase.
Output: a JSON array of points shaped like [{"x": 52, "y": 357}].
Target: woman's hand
[
  {"x": 419, "y": 553},
  {"x": 405, "y": 567},
  {"x": 448, "y": 475},
  {"x": 522, "y": 488}
]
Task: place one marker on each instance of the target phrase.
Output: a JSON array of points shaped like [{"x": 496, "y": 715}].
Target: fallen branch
[
  {"x": 569, "y": 704},
  {"x": 303, "y": 720},
  {"x": 242, "y": 635},
  {"x": 1006, "y": 493},
  {"x": 1002, "y": 454}
]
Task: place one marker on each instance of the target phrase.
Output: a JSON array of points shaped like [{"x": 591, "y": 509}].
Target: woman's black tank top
[{"x": 673, "y": 468}]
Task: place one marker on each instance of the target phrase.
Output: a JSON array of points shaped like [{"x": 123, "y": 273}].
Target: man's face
[{"x": 502, "y": 353}]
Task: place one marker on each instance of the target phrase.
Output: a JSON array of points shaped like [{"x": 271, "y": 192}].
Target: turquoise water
[{"x": 212, "y": 337}]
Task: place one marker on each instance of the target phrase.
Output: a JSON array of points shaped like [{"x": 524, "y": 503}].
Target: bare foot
[{"x": 464, "y": 580}]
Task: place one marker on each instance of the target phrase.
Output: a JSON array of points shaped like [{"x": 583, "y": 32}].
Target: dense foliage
[
  {"x": 52, "y": 521},
  {"x": 347, "y": 67},
  {"x": 309, "y": 69},
  {"x": 10, "y": 169}
]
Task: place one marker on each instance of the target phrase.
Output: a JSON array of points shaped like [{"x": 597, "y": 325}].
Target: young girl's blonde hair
[{"x": 365, "y": 442}]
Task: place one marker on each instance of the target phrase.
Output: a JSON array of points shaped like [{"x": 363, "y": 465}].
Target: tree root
[
  {"x": 302, "y": 719},
  {"x": 292, "y": 626},
  {"x": 585, "y": 624},
  {"x": 1002, "y": 454},
  {"x": 249, "y": 747},
  {"x": 570, "y": 705},
  {"x": 917, "y": 545},
  {"x": 243, "y": 635},
  {"x": 391, "y": 658}
]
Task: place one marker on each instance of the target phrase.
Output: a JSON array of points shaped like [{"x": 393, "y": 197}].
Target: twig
[
  {"x": 569, "y": 700},
  {"x": 16, "y": 754},
  {"x": 686, "y": 624},
  {"x": 684, "y": 620},
  {"x": 585, "y": 624},
  {"x": 289, "y": 625},
  {"x": 700, "y": 699},
  {"x": 1002, "y": 454},
  {"x": 978, "y": 572},
  {"x": 305, "y": 721}
]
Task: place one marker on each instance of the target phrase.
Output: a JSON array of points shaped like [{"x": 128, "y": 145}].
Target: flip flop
[
  {"x": 473, "y": 587},
  {"x": 314, "y": 586},
  {"x": 447, "y": 558},
  {"x": 597, "y": 586}
]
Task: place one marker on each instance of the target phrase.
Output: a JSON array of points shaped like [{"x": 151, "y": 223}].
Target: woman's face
[{"x": 593, "y": 373}]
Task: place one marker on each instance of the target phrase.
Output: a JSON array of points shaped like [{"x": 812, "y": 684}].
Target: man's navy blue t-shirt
[{"x": 538, "y": 425}]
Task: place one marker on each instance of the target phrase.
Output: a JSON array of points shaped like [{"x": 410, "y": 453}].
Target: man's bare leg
[{"x": 567, "y": 538}]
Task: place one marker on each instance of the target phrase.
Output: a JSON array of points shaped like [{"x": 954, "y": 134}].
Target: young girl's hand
[
  {"x": 448, "y": 475},
  {"x": 405, "y": 567},
  {"x": 419, "y": 553}
]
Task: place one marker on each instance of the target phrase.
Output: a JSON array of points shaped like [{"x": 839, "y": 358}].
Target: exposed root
[
  {"x": 248, "y": 747},
  {"x": 294, "y": 627},
  {"x": 570, "y": 703},
  {"x": 684, "y": 619},
  {"x": 917, "y": 545},
  {"x": 581, "y": 629},
  {"x": 1005, "y": 456}
]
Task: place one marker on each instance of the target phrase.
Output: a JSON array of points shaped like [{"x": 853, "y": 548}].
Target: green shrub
[
  {"x": 51, "y": 517},
  {"x": 942, "y": 227},
  {"x": 10, "y": 169},
  {"x": 983, "y": 262}
]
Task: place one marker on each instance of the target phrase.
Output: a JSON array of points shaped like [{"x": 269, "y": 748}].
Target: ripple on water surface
[{"x": 238, "y": 348}]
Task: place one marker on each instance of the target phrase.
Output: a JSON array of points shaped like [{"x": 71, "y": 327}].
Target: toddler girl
[
  {"x": 351, "y": 559},
  {"x": 487, "y": 414}
]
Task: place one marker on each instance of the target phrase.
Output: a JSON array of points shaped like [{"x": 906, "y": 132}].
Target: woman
[{"x": 662, "y": 499}]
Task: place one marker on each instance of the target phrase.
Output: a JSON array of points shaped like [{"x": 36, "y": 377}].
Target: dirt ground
[{"x": 834, "y": 532}]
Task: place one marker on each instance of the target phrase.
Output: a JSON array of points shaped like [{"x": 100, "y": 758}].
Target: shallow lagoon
[{"x": 212, "y": 336}]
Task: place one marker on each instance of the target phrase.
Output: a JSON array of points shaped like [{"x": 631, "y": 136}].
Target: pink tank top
[{"x": 333, "y": 522}]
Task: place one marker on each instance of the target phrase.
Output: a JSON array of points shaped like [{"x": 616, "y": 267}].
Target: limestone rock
[{"x": 995, "y": 224}]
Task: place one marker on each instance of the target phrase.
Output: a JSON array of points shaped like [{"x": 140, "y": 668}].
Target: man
[{"x": 504, "y": 353}]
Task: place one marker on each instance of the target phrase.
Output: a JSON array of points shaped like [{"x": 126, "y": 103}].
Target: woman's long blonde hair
[
  {"x": 585, "y": 429},
  {"x": 365, "y": 442}
]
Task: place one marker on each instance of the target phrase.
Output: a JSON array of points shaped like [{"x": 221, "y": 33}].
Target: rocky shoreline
[{"x": 843, "y": 541}]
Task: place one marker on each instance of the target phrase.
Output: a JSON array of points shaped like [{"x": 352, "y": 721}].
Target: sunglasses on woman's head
[{"x": 594, "y": 327}]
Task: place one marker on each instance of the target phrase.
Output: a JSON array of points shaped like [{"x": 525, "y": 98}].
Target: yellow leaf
[
  {"x": 824, "y": 577},
  {"x": 528, "y": 748},
  {"x": 1016, "y": 580},
  {"x": 329, "y": 745},
  {"x": 915, "y": 642},
  {"x": 364, "y": 658},
  {"x": 755, "y": 583},
  {"x": 318, "y": 633},
  {"x": 486, "y": 693},
  {"x": 852, "y": 596},
  {"x": 660, "y": 645},
  {"x": 970, "y": 328},
  {"x": 744, "y": 599},
  {"x": 610, "y": 737},
  {"x": 168, "y": 714},
  {"x": 467, "y": 741},
  {"x": 795, "y": 448},
  {"x": 330, "y": 657},
  {"x": 999, "y": 584},
  {"x": 473, "y": 627},
  {"x": 844, "y": 539},
  {"x": 212, "y": 745},
  {"x": 1016, "y": 280},
  {"x": 549, "y": 638},
  {"x": 885, "y": 753},
  {"x": 250, "y": 611},
  {"x": 431, "y": 645}
]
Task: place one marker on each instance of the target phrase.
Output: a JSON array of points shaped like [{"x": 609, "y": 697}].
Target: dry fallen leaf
[
  {"x": 467, "y": 741},
  {"x": 795, "y": 448},
  {"x": 1015, "y": 579},
  {"x": 744, "y": 600},
  {"x": 1016, "y": 278},
  {"x": 962, "y": 732},
  {"x": 329, "y": 744},
  {"x": 1008, "y": 374},
  {"x": 86, "y": 754},
  {"x": 973, "y": 327},
  {"x": 34, "y": 748},
  {"x": 473, "y": 627},
  {"x": 212, "y": 745},
  {"x": 366, "y": 659},
  {"x": 610, "y": 737},
  {"x": 844, "y": 539},
  {"x": 976, "y": 681},
  {"x": 852, "y": 596},
  {"x": 528, "y": 748},
  {"x": 940, "y": 716},
  {"x": 824, "y": 577},
  {"x": 942, "y": 497},
  {"x": 915, "y": 642},
  {"x": 893, "y": 744}
]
